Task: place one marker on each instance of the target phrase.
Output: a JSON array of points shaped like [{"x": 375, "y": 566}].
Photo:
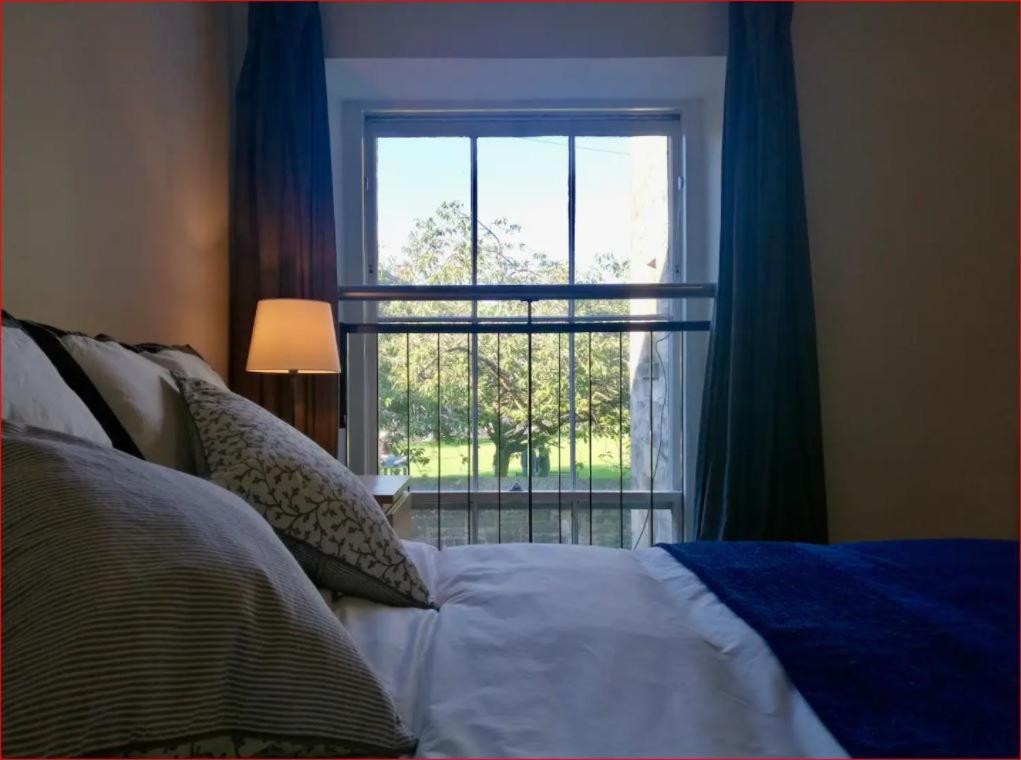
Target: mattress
[{"x": 550, "y": 650}]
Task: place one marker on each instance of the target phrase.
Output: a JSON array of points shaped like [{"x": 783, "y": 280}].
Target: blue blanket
[{"x": 902, "y": 648}]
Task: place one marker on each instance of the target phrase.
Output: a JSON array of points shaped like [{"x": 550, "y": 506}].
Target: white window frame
[{"x": 364, "y": 121}]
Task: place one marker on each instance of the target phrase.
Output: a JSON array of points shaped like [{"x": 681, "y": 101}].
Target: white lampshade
[{"x": 293, "y": 335}]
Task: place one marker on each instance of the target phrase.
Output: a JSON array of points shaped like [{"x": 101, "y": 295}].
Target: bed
[
  {"x": 541, "y": 650},
  {"x": 558, "y": 650},
  {"x": 882, "y": 649}
]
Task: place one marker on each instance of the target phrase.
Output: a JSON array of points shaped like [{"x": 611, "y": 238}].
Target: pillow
[
  {"x": 148, "y": 612},
  {"x": 188, "y": 363},
  {"x": 35, "y": 394},
  {"x": 324, "y": 512},
  {"x": 141, "y": 394},
  {"x": 48, "y": 339},
  {"x": 183, "y": 359}
]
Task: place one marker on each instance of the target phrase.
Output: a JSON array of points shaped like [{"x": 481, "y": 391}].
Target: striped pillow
[{"x": 146, "y": 611}]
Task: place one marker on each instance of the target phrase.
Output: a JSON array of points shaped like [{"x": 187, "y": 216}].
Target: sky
[{"x": 521, "y": 179}]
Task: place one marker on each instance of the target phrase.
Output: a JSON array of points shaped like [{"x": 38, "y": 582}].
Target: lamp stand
[{"x": 293, "y": 374}]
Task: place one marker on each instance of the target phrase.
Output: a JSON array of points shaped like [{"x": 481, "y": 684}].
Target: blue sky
[{"x": 521, "y": 179}]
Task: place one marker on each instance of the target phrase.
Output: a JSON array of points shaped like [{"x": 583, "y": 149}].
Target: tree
[{"x": 438, "y": 251}]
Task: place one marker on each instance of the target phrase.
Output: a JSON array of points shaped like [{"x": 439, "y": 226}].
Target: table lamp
[{"x": 293, "y": 336}]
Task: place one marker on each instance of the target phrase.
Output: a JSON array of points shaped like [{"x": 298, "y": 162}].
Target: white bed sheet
[{"x": 540, "y": 650}]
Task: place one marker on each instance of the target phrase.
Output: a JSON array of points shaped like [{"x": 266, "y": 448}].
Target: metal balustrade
[{"x": 498, "y": 511}]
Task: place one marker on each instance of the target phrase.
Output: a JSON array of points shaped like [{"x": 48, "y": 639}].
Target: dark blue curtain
[
  {"x": 760, "y": 459},
  {"x": 282, "y": 233}
]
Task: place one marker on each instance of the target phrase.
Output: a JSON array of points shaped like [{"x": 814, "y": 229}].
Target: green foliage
[{"x": 413, "y": 369}]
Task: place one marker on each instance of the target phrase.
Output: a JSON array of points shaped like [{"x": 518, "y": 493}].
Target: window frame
[
  {"x": 475, "y": 124},
  {"x": 375, "y": 120}
]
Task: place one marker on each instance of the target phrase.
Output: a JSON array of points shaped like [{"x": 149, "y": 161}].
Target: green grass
[{"x": 454, "y": 459}]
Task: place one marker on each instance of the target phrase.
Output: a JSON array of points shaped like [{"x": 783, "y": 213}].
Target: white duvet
[{"x": 540, "y": 650}]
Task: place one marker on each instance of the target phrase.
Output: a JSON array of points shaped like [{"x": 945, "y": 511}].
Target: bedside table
[{"x": 393, "y": 494}]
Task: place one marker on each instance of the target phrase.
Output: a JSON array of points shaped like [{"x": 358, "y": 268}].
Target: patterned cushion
[
  {"x": 148, "y": 612},
  {"x": 323, "y": 511}
]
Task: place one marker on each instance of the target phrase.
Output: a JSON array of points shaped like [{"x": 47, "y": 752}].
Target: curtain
[
  {"x": 282, "y": 233},
  {"x": 759, "y": 473}
]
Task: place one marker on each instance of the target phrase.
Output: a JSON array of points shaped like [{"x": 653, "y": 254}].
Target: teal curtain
[{"x": 759, "y": 473}]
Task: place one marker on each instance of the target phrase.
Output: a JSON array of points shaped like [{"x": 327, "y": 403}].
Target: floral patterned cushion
[{"x": 322, "y": 511}]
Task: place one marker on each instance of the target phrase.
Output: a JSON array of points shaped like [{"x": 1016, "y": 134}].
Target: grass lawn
[{"x": 454, "y": 459}]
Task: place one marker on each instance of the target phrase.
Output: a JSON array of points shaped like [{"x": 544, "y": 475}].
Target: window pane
[
  {"x": 602, "y": 424},
  {"x": 393, "y": 391},
  {"x": 490, "y": 392},
  {"x": 455, "y": 411},
  {"x": 422, "y": 369},
  {"x": 423, "y": 211},
  {"x": 622, "y": 215},
  {"x": 522, "y": 213}
]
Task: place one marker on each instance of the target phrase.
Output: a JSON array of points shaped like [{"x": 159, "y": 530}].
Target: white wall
[
  {"x": 523, "y": 30},
  {"x": 909, "y": 116},
  {"x": 115, "y": 187}
]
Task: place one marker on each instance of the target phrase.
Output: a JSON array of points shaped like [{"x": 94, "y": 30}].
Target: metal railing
[
  {"x": 476, "y": 501},
  {"x": 577, "y": 292}
]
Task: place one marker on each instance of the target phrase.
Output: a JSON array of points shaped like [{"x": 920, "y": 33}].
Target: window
[{"x": 527, "y": 198}]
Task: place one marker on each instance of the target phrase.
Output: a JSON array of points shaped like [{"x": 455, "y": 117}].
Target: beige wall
[
  {"x": 910, "y": 136},
  {"x": 115, "y": 185}
]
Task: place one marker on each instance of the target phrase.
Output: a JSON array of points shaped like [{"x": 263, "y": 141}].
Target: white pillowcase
[
  {"x": 189, "y": 365},
  {"x": 35, "y": 394},
  {"x": 142, "y": 395}
]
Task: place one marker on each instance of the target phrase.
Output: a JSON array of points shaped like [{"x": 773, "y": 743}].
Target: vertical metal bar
[
  {"x": 681, "y": 534},
  {"x": 439, "y": 454},
  {"x": 571, "y": 401},
  {"x": 473, "y": 435},
  {"x": 474, "y": 147},
  {"x": 560, "y": 507},
  {"x": 620, "y": 429},
  {"x": 571, "y": 187},
  {"x": 499, "y": 449},
  {"x": 590, "y": 463},
  {"x": 376, "y": 467},
  {"x": 468, "y": 482},
  {"x": 529, "y": 419},
  {"x": 652, "y": 450},
  {"x": 473, "y": 379},
  {"x": 407, "y": 408},
  {"x": 572, "y": 432}
]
